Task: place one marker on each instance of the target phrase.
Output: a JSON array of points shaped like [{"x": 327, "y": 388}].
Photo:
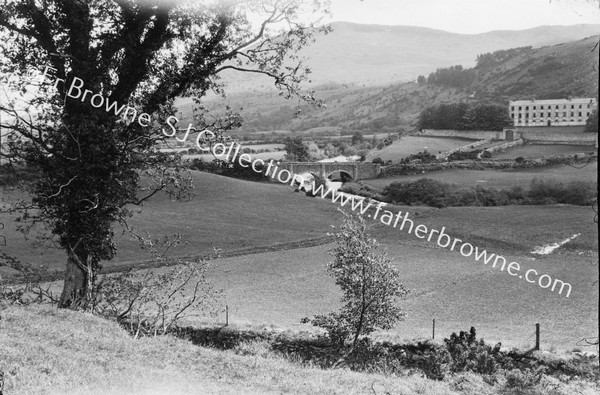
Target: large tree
[{"x": 142, "y": 54}]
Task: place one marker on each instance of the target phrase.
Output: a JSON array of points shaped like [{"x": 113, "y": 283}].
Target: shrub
[
  {"x": 464, "y": 155},
  {"x": 423, "y": 157},
  {"x": 469, "y": 354},
  {"x": 423, "y": 191},
  {"x": 549, "y": 191},
  {"x": 378, "y": 160}
]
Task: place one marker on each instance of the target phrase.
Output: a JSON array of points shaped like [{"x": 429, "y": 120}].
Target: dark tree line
[
  {"x": 453, "y": 77},
  {"x": 465, "y": 116}
]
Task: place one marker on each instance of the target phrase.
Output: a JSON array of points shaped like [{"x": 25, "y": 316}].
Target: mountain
[
  {"x": 378, "y": 55},
  {"x": 559, "y": 71}
]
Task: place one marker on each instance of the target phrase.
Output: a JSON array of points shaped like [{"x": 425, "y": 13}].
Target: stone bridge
[{"x": 352, "y": 171}]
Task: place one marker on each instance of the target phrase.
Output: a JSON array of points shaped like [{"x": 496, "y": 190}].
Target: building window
[
  {"x": 512, "y": 115},
  {"x": 527, "y": 115},
  {"x": 556, "y": 107},
  {"x": 541, "y": 107},
  {"x": 526, "y": 108},
  {"x": 572, "y": 106},
  {"x": 534, "y": 107},
  {"x": 512, "y": 108},
  {"x": 580, "y": 106},
  {"x": 520, "y": 115},
  {"x": 579, "y": 114},
  {"x": 519, "y": 108}
]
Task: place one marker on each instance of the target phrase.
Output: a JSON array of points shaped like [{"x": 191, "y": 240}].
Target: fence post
[
  {"x": 537, "y": 336},
  {"x": 226, "y": 315},
  {"x": 434, "y": 328}
]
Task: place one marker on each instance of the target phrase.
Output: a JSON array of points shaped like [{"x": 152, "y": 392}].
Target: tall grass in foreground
[{"x": 45, "y": 350}]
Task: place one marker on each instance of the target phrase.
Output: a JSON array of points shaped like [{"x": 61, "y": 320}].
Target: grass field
[
  {"x": 280, "y": 288},
  {"x": 500, "y": 178},
  {"x": 543, "y": 150},
  {"x": 226, "y": 213},
  {"x": 408, "y": 145}
]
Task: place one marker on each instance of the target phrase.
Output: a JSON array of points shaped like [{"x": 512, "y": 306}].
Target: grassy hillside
[
  {"x": 53, "y": 351},
  {"x": 569, "y": 69},
  {"x": 548, "y": 72}
]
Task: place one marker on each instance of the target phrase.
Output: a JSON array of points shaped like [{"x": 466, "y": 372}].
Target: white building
[{"x": 556, "y": 112}]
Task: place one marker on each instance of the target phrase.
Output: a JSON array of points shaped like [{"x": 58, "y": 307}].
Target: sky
[{"x": 467, "y": 16}]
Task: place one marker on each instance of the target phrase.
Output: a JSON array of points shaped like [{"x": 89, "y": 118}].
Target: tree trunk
[{"x": 76, "y": 283}]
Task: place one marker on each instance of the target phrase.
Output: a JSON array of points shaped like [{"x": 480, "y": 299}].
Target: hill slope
[
  {"x": 549, "y": 72},
  {"x": 370, "y": 55}
]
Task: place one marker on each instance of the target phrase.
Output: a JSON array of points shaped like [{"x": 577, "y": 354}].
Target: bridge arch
[
  {"x": 356, "y": 170},
  {"x": 340, "y": 176}
]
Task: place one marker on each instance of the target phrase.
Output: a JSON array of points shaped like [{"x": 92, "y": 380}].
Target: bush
[
  {"x": 470, "y": 355},
  {"x": 464, "y": 155},
  {"x": 421, "y": 192},
  {"x": 378, "y": 160},
  {"x": 423, "y": 157},
  {"x": 435, "y": 193},
  {"x": 543, "y": 191}
]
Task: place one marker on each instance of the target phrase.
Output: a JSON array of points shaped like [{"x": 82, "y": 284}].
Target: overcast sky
[{"x": 468, "y": 16}]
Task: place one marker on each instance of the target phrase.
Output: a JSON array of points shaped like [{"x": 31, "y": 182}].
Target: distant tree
[
  {"x": 463, "y": 116},
  {"x": 421, "y": 80},
  {"x": 591, "y": 125},
  {"x": 357, "y": 138},
  {"x": 489, "y": 60},
  {"x": 453, "y": 76},
  {"x": 485, "y": 117},
  {"x": 296, "y": 150},
  {"x": 371, "y": 286}
]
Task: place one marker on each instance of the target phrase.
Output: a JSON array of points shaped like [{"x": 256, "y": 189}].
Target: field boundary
[{"x": 152, "y": 264}]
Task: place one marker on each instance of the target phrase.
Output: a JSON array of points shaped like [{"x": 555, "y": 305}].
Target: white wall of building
[{"x": 559, "y": 112}]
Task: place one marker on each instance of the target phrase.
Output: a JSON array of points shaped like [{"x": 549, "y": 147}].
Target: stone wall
[{"x": 466, "y": 134}]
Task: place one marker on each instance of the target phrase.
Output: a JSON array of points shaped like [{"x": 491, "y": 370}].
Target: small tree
[
  {"x": 370, "y": 286},
  {"x": 357, "y": 138},
  {"x": 591, "y": 125},
  {"x": 296, "y": 150}
]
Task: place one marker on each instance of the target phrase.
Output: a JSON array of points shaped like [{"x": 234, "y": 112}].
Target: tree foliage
[
  {"x": 453, "y": 76},
  {"x": 296, "y": 150},
  {"x": 489, "y": 60},
  {"x": 357, "y": 138},
  {"x": 591, "y": 124},
  {"x": 465, "y": 116},
  {"x": 370, "y": 286},
  {"x": 94, "y": 164}
]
